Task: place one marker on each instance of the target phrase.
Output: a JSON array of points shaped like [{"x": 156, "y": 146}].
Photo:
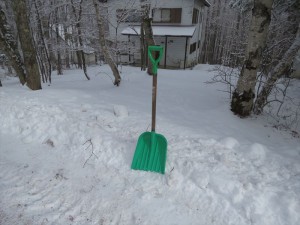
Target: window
[
  {"x": 193, "y": 47},
  {"x": 195, "y": 16},
  {"x": 129, "y": 15},
  {"x": 166, "y": 15}
]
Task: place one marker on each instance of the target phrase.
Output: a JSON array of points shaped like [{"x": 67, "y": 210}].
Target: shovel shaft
[
  {"x": 154, "y": 91},
  {"x": 155, "y": 59}
]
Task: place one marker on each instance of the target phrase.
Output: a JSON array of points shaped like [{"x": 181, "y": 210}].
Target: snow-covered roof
[{"x": 183, "y": 31}]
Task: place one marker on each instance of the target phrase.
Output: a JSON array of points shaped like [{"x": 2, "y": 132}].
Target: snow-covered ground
[{"x": 66, "y": 151}]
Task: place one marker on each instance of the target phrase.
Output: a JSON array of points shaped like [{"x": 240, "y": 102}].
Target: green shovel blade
[{"x": 150, "y": 153}]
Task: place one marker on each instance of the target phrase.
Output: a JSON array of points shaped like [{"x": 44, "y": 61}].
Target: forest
[{"x": 253, "y": 42}]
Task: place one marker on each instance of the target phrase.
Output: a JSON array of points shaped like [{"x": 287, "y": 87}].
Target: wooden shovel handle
[{"x": 154, "y": 91}]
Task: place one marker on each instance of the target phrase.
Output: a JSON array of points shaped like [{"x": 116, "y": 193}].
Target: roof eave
[
  {"x": 134, "y": 31},
  {"x": 207, "y": 3}
]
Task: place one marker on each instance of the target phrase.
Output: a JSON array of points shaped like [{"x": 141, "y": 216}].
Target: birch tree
[
  {"x": 42, "y": 48},
  {"x": 103, "y": 44},
  {"x": 283, "y": 66},
  {"x": 8, "y": 44},
  {"x": 33, "y": 79},
  {"x": 58, "y": 42},
  {"x": 78, "y": 18},
  {"x": 147, "y": 36},
  {"x": 243, "y": 96}
]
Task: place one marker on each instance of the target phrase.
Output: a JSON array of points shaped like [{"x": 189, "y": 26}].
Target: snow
[
  {"x": 66, "y": 151},
  {"x": 120, "y": 111},
  {"x": 184, "y": 31}
]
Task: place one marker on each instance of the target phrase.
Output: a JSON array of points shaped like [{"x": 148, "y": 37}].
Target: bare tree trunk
[
  {"x": 48, "y": 24},
  {"x": 283, "y": 66},
  {"x": 149, "y": 41},
  {"x": 143, "y": 51},
  {"x": 59, "y": 64},
  {"x": 39, "y": 44},
  {"x": 80, "y": 53},
  {"x": 43, "y": 50},
  {"x": 58, "y": 60},
  {"x": 84, "y": 65},
  {"x": 79, "y": 59},
  {"x": 67, "y": 48},
  {"x": 148, "y": 36},
  {"x": 81, "y": 42},
  {"x": 8, "y": 44},
  {"x": 106, "y": 53},
  {"x": 26, "y": 40},
  {"x": 67, "y": 37},
  {"x": 243, "y": 95}
]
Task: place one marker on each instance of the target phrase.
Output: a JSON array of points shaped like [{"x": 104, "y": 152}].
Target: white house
[{"x": 177, "y": 26}]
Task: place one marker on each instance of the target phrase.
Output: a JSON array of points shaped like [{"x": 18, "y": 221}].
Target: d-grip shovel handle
[{"x": 155, "y": 48}]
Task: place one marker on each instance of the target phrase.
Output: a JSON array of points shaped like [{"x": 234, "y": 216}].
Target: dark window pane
[
  {"x": 193, "y": 47},
  {"x": 176, "y": 15},
  {"x": 195, "y": 16}
]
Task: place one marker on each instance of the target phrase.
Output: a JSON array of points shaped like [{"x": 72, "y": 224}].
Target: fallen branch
[{"x": 92, "y": 153}]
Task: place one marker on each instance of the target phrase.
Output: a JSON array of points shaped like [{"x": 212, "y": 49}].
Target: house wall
[
  {"x": 186, "y": 19},
  {"x": 177, "y": 58},
  {"x": 193, "y": 58},
  {"x": 173, "y": 50},
  {"x": 175, "y": 46}
]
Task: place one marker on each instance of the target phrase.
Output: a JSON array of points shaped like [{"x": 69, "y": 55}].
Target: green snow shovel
[{"x": 151, "y": 150}]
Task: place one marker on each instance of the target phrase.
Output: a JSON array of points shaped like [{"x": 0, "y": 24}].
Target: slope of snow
[{"x": 65, "y": 154}]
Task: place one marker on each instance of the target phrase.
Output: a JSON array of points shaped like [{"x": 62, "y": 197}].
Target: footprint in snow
[{"x": 120, "y": 111}]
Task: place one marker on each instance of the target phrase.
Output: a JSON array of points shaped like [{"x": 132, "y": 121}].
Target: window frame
[
  {"x": 193, "y": 47},
  {"x": 195, "y": 18}
]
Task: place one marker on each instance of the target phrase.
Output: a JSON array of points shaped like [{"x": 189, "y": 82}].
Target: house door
[{"x": 174, "y": 51}]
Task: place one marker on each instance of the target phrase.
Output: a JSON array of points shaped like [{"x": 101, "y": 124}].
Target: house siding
[
  {"x": 193, "y": 58},
  {"x": 173, "y": 50}
]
